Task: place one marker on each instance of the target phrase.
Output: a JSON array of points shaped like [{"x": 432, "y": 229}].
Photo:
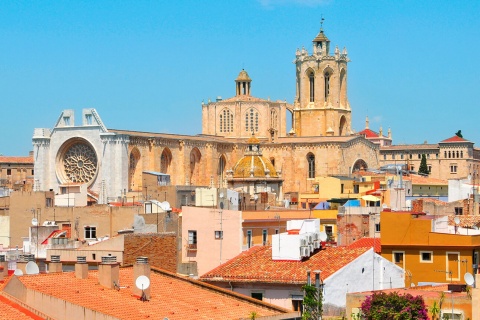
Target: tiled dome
[{"x": 254, "y": 166}]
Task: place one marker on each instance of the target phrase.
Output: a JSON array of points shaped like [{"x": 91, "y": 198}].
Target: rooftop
[
  {"x": 18, "y": 160},
  {"x": 197, "y": 300},
  {"x": 256, "y": 265},
  {"x": 367, "y": 243}
]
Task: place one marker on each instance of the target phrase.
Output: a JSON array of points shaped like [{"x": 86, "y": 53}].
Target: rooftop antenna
[
  {"x": 142, "y": 283},
  {"x": 321, "y": 22}
]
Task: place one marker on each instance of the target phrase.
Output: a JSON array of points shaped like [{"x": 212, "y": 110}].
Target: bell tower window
[
  {"x": 311, "y": 78},
  {"x": 311, "y": 165},
  {"x": 327, "y": 84}
]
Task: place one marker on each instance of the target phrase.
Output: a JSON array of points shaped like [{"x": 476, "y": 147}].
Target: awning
[{"x": 369, "y": 197}]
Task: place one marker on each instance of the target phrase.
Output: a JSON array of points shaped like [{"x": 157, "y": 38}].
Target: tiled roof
[
  {"x": 369, "y": 133},
  {"x": 172, "y": 297},
  {"x": 9, "y": 310},
  {"x": 367, "y": 243},
  {"x": 23, "y": 160},
  {"x": 256, "y": 265},
  {"x": 402, "y": 147},
  {"x": 455, "y": 138},
  {"x": 417, "y": 179}
]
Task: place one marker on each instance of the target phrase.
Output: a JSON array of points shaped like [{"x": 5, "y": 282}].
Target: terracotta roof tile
[
  {"x": 256, "y": 265},
  {"x": 22, "y": 160},
  {"x": 455, "y": 139},
  {"x": 367, "y": 243},
  {"x": 369, "y": 133},
  {"x": 171, "y": 296}
]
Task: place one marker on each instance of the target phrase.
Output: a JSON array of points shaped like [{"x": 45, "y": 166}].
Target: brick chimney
[
  {"x": 109, "y": 272},
  {"x": 81, "y": 268},
  {"x": 55, "y": 265},
  {"x": 3, "y": 267},
  {"x": 141, "y": 268}
]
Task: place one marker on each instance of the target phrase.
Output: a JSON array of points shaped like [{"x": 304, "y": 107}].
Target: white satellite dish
[
  {"x": 32, "y": 268},
  {"x": 18, "y": 272},
  {"x": 475, "y": 227},
  {"x": 323, "y": 236},
  {"x": 34, "y": 222},
  {"x": 457, "y": 220},
  {"x": 165, "y": 206},
  {"x": 468, "y": 277},
  {"x": 142, "y": 282}
]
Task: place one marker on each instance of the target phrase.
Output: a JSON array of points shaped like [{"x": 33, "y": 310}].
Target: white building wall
[
  {"x": 357, "y": 276},
  {"x": 459, "y": 189}
]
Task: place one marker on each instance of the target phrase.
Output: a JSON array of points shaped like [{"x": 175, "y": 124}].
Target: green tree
[
  {"x": 312, "y": 302},
  {"x": 393, "y": 306},
  {"x": 423, "y": 166}
]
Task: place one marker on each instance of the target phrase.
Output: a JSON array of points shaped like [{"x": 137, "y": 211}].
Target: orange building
[{"x": 409, "y": 240}]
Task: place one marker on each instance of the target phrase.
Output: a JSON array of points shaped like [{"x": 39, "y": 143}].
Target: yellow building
[{"x": 409, "y": 240}]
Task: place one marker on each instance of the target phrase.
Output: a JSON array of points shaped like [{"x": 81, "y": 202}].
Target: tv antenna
[
  {"x": 32, "y": 268},
  {"x": 142, "y": 283}
]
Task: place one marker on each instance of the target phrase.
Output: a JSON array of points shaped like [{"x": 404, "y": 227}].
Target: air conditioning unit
[
  {"x": 316, "y": 244},
  {"x": 315, "y": 236},
  {"x": 311, "y": 248},
  {"x": 305, "y": 251},
  {"x": 303, "y": 242},
  {"x": 310, "y": 239}
]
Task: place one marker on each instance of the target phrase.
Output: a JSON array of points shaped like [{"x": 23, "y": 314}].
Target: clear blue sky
[{"x": 147, "y": 65}]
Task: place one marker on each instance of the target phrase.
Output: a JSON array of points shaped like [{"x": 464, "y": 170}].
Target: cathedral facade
[{"x": 320, "y": 142}]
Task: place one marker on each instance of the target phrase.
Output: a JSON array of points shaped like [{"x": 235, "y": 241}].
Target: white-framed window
[
  {"x": 90, "y": 232},
  {"x": 218, "y": 234},
  {"x": 264, "y": 237},
  {"x": 447, "y": 313},
  {"x": 249, "y": 238},
  {"x": 192, "y": 236},
  {"x": 426, "y": 256}
]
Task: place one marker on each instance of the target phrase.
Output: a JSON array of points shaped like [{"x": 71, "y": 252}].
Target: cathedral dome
[{"x": 254, "y": 166}]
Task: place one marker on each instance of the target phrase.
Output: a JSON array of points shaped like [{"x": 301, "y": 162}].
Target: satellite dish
[
  {"x": 468, "y": 277},
  {"x": 475, "y": 227},
  {"x": 323, "y": 236},
  {"x": 457, "y": 220},
  {"x": 412, "y": 285},
  {"x": 165, "y": 205},
  {"x": 32, "y": 268},
  {"x": 34, "y": 222},
  {"x": 142, "y": 282},
  {"x": 18, "y": 272}
]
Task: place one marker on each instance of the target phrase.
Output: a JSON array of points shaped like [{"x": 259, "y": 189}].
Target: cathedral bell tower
[{"x": 321, "y": 106}]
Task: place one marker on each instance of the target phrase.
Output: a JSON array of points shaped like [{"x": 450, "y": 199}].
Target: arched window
[
  {"x": 311, "y": 165},
  {"x": 165, "y": 160},
  {"x": 327, "y": 84},
  {"x": 251, "y": 120},
  {"x": 311, "y": 78},
  {"x": 273, "y": 118},
  {"x": 226, "y": 121}
]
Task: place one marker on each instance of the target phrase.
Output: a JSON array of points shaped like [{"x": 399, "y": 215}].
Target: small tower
[{"x": 243, "y": 83}]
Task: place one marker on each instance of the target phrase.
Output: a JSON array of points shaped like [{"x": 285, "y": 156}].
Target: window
[
  {"x": 9, "y": 172},
  {"x": 342, "y": 188},
  {"x": 384, "y": 157},
  {"x": 327, "y": 85},
  {"x": 273, "y": 119},
  {"x": 411, "y": 156},
  {"x": 458, "y": 210},
  {"x": 393, "y": 156},
  {"x": 249, "y": 239},
  {"x": 311, "y": 165},
  {"x": 398, "y": 258},
  {"x": 426, "y": 256},
  {"x": 218, "y": 234},
  {"x": 264, "y": 237},
  {"x": 377, "y": 227},
  {"x": 90, "y": 232},
  {"x": 226, "y": 121},
  {"x": 88, "y": 118},
  {"x": 311, "y": 81},
  {"x": 251, "y": 120},
  {"x": 66, "y": 120},
  {"x": 429, "y": 169},
  {"x": 297, "y": 302},
  {"x": 436, "y": 155},
  {"x": 419, "y": 156},
  {"x": 257, "y": 295},
  {"x": 329, "y": 231},
  {"x": 277, "y": 231},
  {"x": 192, "y": 238},
  {"x": 453, "y": 168},
  {"x": 401, "y": 156}
]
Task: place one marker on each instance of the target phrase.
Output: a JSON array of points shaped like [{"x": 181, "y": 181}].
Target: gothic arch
[
  {"x": 311, "y": 165},
  {"x": 134, "y": 170},
  {"x": 342, "y": 128},
  {"x": 165, "y": 160},
  {"x": 195, "y": 158},
  {"x": 327, "y": 82},
  {"x": 225, "y": 120},
  {"x": 360, "y": 164},
  {"x": 310, "y": 81},
  {"x": 222, "y": 165},
  {"x": 343, "y": 88}
]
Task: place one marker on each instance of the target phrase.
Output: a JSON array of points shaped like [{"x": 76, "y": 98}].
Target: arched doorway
[{"x": 360, "y": 164}]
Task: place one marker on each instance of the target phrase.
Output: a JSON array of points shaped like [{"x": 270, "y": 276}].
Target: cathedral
[{"x": 320, "y": 142}]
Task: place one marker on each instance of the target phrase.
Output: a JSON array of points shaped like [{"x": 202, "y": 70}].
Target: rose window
[{"x": 80, "y": 163}]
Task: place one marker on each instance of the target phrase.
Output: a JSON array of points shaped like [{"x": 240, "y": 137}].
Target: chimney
[
  {"x": 81, "y": 268},
  {"x": 23, "y": 259},
  {"x": 3, "y": 267},
  {"x": 141, "y": 268},
  {"x": 55, "y": 265},
  {"x": 109, "y": 272}
]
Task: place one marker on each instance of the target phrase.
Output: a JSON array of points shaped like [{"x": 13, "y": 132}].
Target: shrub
[{"x": 392, "y": 306}]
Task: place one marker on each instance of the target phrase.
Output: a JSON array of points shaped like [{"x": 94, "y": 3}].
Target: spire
[
  {"x": 321, "y": 44},
  {"x": 366, "y": 123}
]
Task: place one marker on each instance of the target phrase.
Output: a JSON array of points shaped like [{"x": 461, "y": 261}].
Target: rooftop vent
[
  {"x": 142, "y": 260},
  {"x": 109, "y": 259},
  {"x": 81, "y": 259},
  {"x": 55, "y": 258}
]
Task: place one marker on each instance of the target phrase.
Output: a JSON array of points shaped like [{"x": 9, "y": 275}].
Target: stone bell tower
[{"x": 321, "y": 106}]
